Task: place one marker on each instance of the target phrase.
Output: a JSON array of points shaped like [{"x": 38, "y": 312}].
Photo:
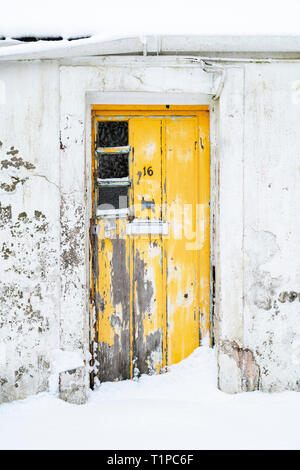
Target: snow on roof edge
[
  {"x": 109, "y": 44},
  {"x": 64, "y": 48}
]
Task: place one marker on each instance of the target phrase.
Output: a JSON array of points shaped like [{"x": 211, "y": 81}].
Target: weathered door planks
[
  {"x": 148, "y": 297},
  {"x": 151, "y": 292}
]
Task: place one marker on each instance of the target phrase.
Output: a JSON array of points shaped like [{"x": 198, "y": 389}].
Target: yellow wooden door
[{"x": 150, "y": 269}]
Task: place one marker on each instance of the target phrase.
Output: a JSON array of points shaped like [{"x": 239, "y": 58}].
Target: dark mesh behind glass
[
  {"x": 112, "y": 134},
  {"x": 113, "y": 165}
]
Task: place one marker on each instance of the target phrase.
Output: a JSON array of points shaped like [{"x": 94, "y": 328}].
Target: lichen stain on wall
[
  {"x": 269, "y": 358},
  {"x": 71, "y": 236},
  {"x": 13, "y": 170},
  {"x": 72, "y": 262},
  {"x": 271, "y": 324},
  {"x": 27, "y": 257}
]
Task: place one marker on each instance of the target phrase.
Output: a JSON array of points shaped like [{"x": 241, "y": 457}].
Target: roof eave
[{"x": 153, "y": 44}]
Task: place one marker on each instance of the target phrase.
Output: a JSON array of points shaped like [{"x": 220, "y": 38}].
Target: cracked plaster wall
[
  {"x": 44, "y": 212},
  {"x": 29, "y": 227},
  {"x": 271, "y": 229},
  {"x": 259, "y": 302},
  {"x": 45, "y": 218}
]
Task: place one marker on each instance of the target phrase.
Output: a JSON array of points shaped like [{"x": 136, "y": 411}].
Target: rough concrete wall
[
  {"x": 29, "y": 227},
  {"x": 259, "y": 331}
]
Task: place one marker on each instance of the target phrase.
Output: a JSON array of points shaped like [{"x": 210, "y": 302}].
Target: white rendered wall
[
  {"x": 271, "y": 223},
  {"x": 30, "y": 226},
  {"x": 45, "y": 214},
  {"x": 259, "y": 233}
]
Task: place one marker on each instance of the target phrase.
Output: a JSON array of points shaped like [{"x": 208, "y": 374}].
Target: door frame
[{"x": 185, "y": 102}]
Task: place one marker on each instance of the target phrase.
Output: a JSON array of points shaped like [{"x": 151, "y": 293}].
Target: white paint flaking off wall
[{"x": 45, "y": 213}]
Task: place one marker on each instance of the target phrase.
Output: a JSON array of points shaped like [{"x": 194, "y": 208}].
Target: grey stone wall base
[{"x": 72, "y": 386}]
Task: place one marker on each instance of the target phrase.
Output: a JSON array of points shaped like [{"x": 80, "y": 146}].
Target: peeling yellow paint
[{"x": 168, "y": 286}]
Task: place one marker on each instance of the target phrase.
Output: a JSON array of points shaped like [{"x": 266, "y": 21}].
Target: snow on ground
[{"x": 181, "y": 409}]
